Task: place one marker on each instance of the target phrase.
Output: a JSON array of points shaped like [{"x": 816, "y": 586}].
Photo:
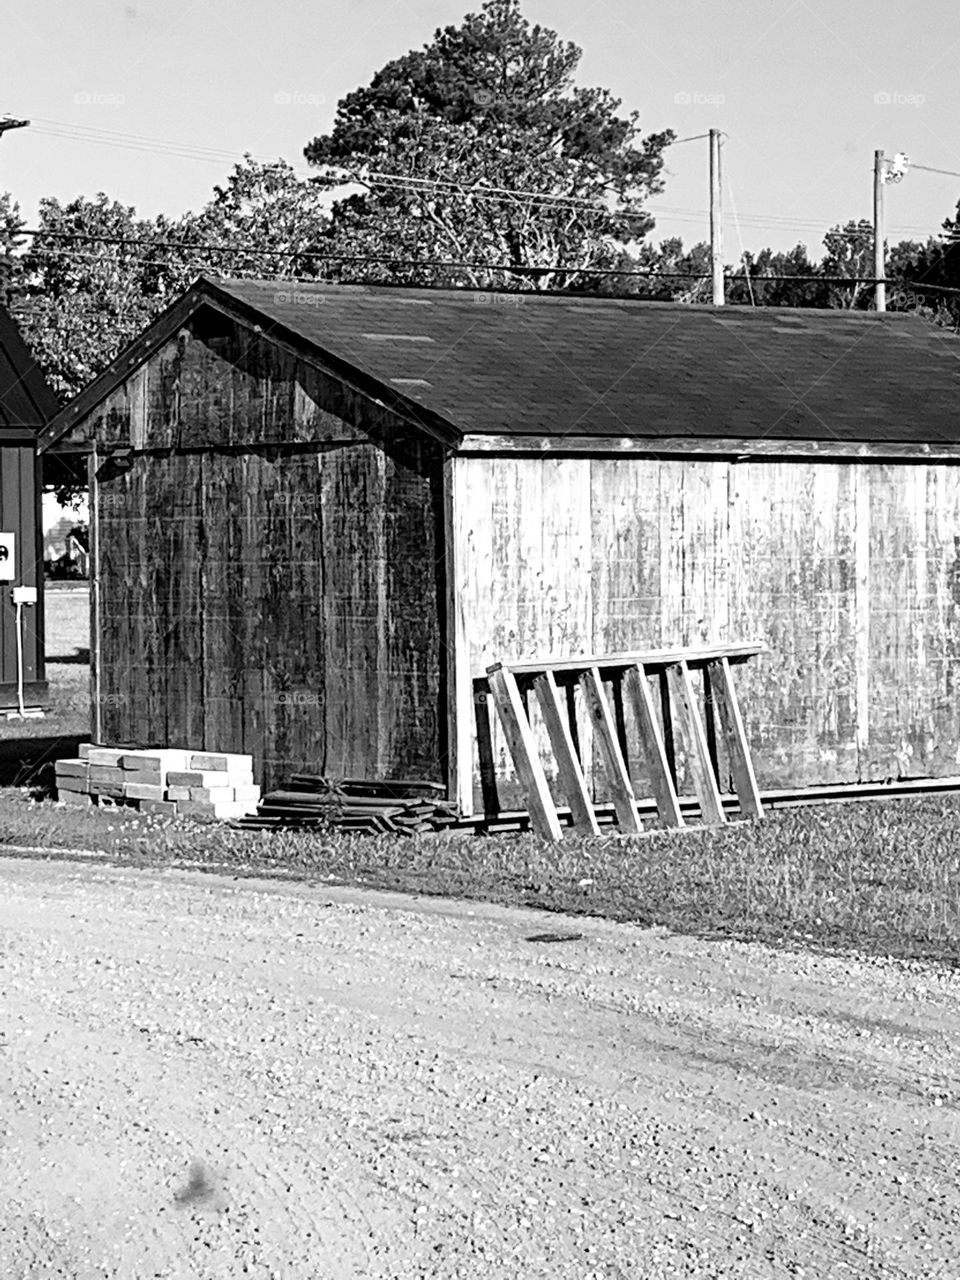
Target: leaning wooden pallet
[{"x": 628, "y": 674}]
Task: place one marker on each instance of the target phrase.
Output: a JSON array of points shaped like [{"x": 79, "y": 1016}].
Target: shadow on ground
[{"x": 28, "y": 762}]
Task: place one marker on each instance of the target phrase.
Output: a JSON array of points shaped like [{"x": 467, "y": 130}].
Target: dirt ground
[{"x": 211, "y": 1077}]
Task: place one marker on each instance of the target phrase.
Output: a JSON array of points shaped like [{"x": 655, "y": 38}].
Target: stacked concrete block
[
  {"x": 214, "y": 786},
  {"x": 168, "y": 780},
  {"x": 73, "y": 781}
]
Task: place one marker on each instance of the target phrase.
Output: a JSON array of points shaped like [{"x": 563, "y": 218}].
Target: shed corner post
[
  {"x": 93, "y": 569},
  {"x": 39, "y": 571},
  {"x": 459, "y": 685}
]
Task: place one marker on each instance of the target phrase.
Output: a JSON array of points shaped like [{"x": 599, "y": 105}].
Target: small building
[
  {"x": 26, "y": 406},
  {"x": 318, "y": 512}
]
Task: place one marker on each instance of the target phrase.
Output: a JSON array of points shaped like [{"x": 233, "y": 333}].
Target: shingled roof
[
  {"x": 26, "y": 402},
  {"x": 559, "y": 365}
]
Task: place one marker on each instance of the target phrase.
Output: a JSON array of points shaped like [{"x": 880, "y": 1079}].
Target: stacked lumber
[
  {"x": 172, "y": 781},
  {"x": 389, "y": 807}
]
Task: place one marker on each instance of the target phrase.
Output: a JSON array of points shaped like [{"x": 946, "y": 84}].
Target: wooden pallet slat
[
  {"x": 654, "y": 751},
  {"x": 738, "y": 749},
  {"x": 647, "y": 657},
  {"x": 555, "y": 681},
  {"x": 618, "y": 778},
  {"x": 523, "y": 748},
  {"x": 482, "y": 708},
  {"x": 693, "y": 735},
  {"x": 569, "y": 769}
]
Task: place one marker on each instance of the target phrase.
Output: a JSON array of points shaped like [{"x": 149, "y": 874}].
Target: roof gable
[
  {"x": 558, "y": 365},
  {"x": 26, "y": 401}
]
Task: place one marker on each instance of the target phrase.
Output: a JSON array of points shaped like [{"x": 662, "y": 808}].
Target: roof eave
[
  {"x": 206, "y": 292},
  {"x": 120, "y": 368},
  {"x": 738, "y": 448},
  {"x": 417, "y": 415}
]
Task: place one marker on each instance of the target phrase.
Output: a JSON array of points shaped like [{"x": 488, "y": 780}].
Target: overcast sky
[{"x": 805, "y": 89}]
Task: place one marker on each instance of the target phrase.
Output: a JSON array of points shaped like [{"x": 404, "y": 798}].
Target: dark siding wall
[
  {"x": 19, "y": 499},
  {"x": 278, "y": 601}
]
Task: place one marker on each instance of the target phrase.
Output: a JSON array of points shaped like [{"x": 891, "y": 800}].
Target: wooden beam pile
[
  {"x": 391, "y": 807},
  {"x": 171, "y": 781}
]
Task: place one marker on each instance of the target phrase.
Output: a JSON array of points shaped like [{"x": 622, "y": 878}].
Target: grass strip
[{"x": 881, "y": 877}]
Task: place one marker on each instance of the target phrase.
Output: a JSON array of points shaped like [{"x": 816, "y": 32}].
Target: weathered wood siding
[
  {"x": 20, "y": 515},
  {"x": 268, "y": 566},
  {"x": 850, "y": 572}
]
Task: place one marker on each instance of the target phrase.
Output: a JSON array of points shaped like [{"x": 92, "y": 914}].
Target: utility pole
[
  {"x": 716, "y": 220},
  {"x": 879, "y": 234},
  {"x": 7, "y": 123}
]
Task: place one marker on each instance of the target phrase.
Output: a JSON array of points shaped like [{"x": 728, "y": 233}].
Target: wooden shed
[
  {"x": 319, "y": 512},
  {"x": 26, "y": 406}
]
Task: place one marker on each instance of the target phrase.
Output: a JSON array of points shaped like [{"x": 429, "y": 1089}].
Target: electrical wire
[
  {"x": 510, "y": 268},
  {"x": 161, "y": 146},
  {"x": 412, "y": 182},
  {"x": 743, "y": 252},
  {"x": 949, "y": 173}
]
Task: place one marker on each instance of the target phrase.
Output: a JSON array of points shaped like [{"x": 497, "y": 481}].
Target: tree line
[{"x": 474, "y": 162}]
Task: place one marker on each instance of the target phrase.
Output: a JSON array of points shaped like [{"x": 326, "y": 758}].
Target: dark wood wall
[
  {"x": 20, "y": 515},
  {"x": 268, "y": 566}
]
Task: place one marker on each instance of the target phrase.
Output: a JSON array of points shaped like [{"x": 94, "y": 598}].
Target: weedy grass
[
  {"x": 875, "y": 877},
  {"x": 879, "y": 877},
  {"x": 25, "y": 745}
]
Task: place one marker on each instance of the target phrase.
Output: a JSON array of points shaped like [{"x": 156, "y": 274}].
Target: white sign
[{"x": 7, "y": 563}]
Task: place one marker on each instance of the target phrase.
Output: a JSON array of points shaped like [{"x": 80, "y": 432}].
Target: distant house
[
  {"x": 26, "y": 405},
  {"x": 319, "y": 512},
  {"x": 65, "y": 553}
]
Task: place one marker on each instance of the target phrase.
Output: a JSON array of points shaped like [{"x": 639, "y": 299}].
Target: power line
[
  {"x": 479, "y": 189},
  {"x": 133, "y": 141},
  {"x": 162, "y": 146},
  {"x": 368, "y": 259},
  {"x": 949, "y": 173}
]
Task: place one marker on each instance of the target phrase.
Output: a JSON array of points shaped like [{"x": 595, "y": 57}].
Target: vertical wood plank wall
[
  {"x": 19, "y": 515},
  {"x": 269, "y": 567},
  {"x": 850, "y": 572}
]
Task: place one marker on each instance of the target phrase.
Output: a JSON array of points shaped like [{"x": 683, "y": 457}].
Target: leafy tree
[
  {"x": 664, "y": 273},
  {"x": 927, "y": 273},
  {"x": 11, "y": 224},
  {"x": 97, "y": 274},
  {"x": 434, "y": 147},
  {"x": 747, "y": 285},
  {"x": 85, "y": 290},
  {"x": 850, "y": 253},
  {"x": 265, "y": 207}
]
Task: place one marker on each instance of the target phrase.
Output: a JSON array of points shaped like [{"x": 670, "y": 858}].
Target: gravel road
[{"x": 203, "y": 1076}]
